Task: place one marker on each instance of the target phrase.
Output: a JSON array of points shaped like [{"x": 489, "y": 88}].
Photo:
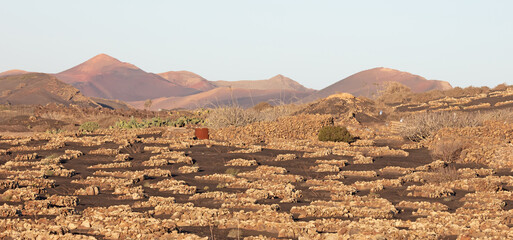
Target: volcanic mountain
[
  {"x": 226, "y": 96},
  {"x": 40, "y": 88},
  {"x": 366, "y": 83},
  {"x": 278, "y": 82},
  {"x": 12, "y": 72},
  {"x": 188, "y": 79},
  {"x": 247, "y": 93},
  {"x": 106, "y": 77}
]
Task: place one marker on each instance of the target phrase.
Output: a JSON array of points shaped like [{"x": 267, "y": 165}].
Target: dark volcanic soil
[{"x": 212, "y": 159}]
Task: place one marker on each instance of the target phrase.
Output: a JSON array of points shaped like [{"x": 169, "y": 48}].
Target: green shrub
[
  {"x": 132, "y": 123},
  {"x": 89, "y": 126},
  {"x": 157, "y": 122},
  {"x": 52, "y": 156},
  {"x": 184, "y": 120},
  {"x": 6, "y": 198},
  {"x": 335, "y": 134},
  {"x": 49, "y": 173},
  {"x": 54, "y": 131},
  {"x": 232, "y": 171}
]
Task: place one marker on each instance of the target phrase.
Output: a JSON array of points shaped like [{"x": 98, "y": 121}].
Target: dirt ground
[{"x": 211, "y": 159}]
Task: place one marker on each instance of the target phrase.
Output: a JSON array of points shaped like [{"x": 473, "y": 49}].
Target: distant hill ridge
[
  {"x": 366, "y": 83},
  {"x": 106, "y": 77},
  {"x": 40, "y": 89},
  {"x": 188, "y": 79},
  {"x": 12, "y": 72},
  {"x": 277, "y": 82},
  {"x": 226, "y": 96}
]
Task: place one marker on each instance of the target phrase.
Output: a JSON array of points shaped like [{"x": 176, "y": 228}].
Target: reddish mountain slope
[
  {"x": 225, "y": 96},
  {"x": 188, "y": 79},
  {"x": 366, "y": 83},
  {"x": 39, "y": 88},
  {"x": 106, "y": 77},
  {"x": 12, "y": 72},
  {"x": 278, "y": 82}
]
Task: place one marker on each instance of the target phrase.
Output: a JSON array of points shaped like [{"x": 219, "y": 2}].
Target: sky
[{"x": 317, "y": 43}]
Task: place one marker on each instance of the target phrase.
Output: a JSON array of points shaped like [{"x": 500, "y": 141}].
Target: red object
[{"x": 201, "y": 133}]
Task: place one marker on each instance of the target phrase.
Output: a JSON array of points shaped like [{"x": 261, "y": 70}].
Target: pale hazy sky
[{"x": 316, "y": 43}]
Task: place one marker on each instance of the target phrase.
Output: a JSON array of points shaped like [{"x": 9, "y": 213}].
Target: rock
[
  {"x": 86, "y": 224},
  {"x": 115, "y": 236},
  {"x": 72, "y": 226},
  {"x": 92, "y": 190}
]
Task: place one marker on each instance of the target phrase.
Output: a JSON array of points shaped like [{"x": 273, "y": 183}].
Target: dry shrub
[
  {"x": 428, "y": 96},
  {"x": 501, "y": 87},
  {"x": 442, "y": 175},
  {"x": 8, "y": 111},
  {"x": 499, "y": 115},
  {"x": 230, "y": 116},
  {"x": 421, "y": 126},
  {"x": 448, "y": 150},
  {"x": 134, "y": 148},
  {"x": 394, "y": 92},
  {"x": 278, "y": 111},
  {"x": 262, "y": 106},
  {"x": 237, "y": 116},
  {"x": 456, "y": 92},
  {"x": 468, "y": 91},
  {"x": 472, "y": 91}
]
